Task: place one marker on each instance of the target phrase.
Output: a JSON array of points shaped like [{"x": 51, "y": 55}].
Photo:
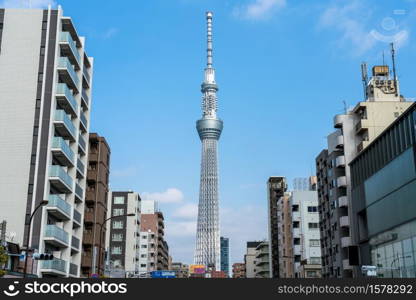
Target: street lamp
[
  {"x": 29, "y": 223},
  {"x": 101, "y": 234}
]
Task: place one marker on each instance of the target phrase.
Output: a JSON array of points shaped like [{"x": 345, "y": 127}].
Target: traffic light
[{"x": 42, "y": 256}]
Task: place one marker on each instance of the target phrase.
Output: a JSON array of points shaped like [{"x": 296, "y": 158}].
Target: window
[
  {"x": 296, "y": 224},
  {"x": 315, "y": 260},
  {"x": 314, "y": 243},
  {"x": 295, "y": 207},
  {"x": 144, "y": 237},
  {"x": 118, "y": 224},
  {"x": 118, "y": 211},
  {"x": 143, "y": 265},
  {"x": 116, "y": 250},
  {"x": 144, "y": 246},
  {"x": 296, "y": 241},
  {"x": 312, "y": 209},
  {"x": 143, "y": 256},
  {"x": 119, "y": 200},
  {"x": 117, "y": 237},
  {"x": 313, "y": 225}
]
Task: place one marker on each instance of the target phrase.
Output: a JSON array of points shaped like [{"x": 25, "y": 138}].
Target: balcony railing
[
  {"x": 73, "y": 269},
  {"x": 85, "y": 98},
  {"x": 60, "y": 179},
  {"x": 64, "y": 125},
  {"x": 86, "y": 75},
  {"x": 80, "y": 168},
  {"x": 66, "y": 38},
  {"x": 84, "y": 122},
  {"x": 58, "y": 265},
  {"x": 75, "y": 243},
  {"x": 82, "y": 144},
  {"x": 68, "y": 72},
  {"x": 66, "y": 99},
  {"x": 344, "y": 221},
  {"x": 59, "y": 207},
  {"x": 62, "y": 151},
  {"x": 56, "y": 235},
  {"x": 79, "y": 192},
  {"x": 77, "y": 216}
]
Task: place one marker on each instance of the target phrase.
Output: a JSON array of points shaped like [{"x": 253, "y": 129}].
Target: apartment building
[
  {"x": 383, "y": 179},
  {"x": 239, "y": 270},
  {"x": 154, "y": 250},
  {"x": 98, "y": 172},
  {"x": 45, "y": 96},
  {"x": 276, "y": 188},
  {"x": 225, "y": 255},
  {"x": 250, "y": 259},
  {"x": 122, "y": 237},
  {"x": 285, "y": 245},
  {"x": 262, "y": 269},
  {"x": 305, "y": 235},
  {"x": 354, "y": 130},
  {"x": 181, "y": 270}
]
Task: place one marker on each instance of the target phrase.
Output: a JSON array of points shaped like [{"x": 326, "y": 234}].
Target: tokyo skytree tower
[{"x": 209, "y": 128}]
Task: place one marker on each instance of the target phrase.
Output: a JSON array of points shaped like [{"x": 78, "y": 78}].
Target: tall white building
[
  {"x": 45, "y": 99},
  {"x": 148, "y": 243}
]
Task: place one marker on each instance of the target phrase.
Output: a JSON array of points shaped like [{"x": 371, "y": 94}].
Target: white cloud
[
  {"x": 259, "y": 9},
  {"x": 181, "y": 229},
  {"x": 111, "y": 32},
  {"x": 187, "y": 211},
  {"x": 352, "y": 20},
  {"x": 171, "y": 195},
  {"x": 27, "y": 3}
]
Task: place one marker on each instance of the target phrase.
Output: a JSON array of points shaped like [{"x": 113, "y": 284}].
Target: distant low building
[
  {"x": 239, "y": 270},
  {"x": 181, "y": 270}
]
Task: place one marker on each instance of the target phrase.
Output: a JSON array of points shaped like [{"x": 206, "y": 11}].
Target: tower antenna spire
[
  {"x": 209, "y": 40},
  {"x": 393, "y": 59}
]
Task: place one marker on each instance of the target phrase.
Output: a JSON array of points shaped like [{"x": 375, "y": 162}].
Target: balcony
[
  {"x": 85, "y": 99},
  {"x": 338, "y": 121},
  {"x": 361, "y": 126},
  {"x": 346, "y": 242},
  {"x": 90, "y": 196},
  {"x": 77, "y": 218},
  {"x": 88, "y": 238},
  {"x": 82, "y": 145},
  {"x": 362, "y": 145},
  {"x": 56, "y": 236},
  {"x": 59, "y": 208},
  {"x": 340, "y": 161},
  {"x": 262, "y": 261},
  {"x": 83, "y": 123},
  {"x": 339, "y": 143},
  {"x": 80, "y": 168},
  {"x": 79, "y": 193},
  {"x": 342, "y": 181},
  {"x": 89, "y": 217},
  {"x": 60, "y": 179},
  {"x": 344, "y": 221},
  {"x": 75, "y": 244},
  {"x": 343, "y": 201},
  {"x": 73, "y": 270},
  {"x": 53, "y": 267},
  {"x": 67, "y": 73},
  {"x": 64, "y": 125},
  {"x": 86, "y": 260},
  {"x": 66, "y": 99},
  {"x": 69, "y": 48},
  {"x": 62, "y": 152},
  {"x": 87, "y": 78}
]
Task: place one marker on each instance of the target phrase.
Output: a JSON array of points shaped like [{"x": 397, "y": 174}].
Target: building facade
[
  {"x": 45, "y": 95},
  {"x": 225, "y": 255},
  {"x": 181, "y": 270},
  {"x": 354, "y": 130},
  {"x": 306, "y": 238},
  {"x": 383, "y": 200},
  {"x": 122, "y": 237},
  {"x": 154, "y": 250},
  {"x": 276, "y": 188},
  {"x": 239, "y": 270},
  {"x": 250, "y": 259},
  {"x": 95, "y": 206},
  {"x": 262, "y": 269},
  {"x": 285, "y": 244}
]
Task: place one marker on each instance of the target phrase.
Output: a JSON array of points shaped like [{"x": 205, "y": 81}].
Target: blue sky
[{"x": 284, "y": 69}]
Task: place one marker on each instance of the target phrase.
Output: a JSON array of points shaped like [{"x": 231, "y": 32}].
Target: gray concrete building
[
  {"x": 250, "y": 259},
  {"x": 45, "y": 99},
  {"x": 262, "y": 269},
  {"x": 123, "y": 233},
  {"x": 354, "y": 130}
]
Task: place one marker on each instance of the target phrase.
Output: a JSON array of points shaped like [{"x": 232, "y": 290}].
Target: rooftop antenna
[
  {"x": 394, "y": 68},
  {"x": 364, "y": 76},
  {"x": 345, "y": 106},
  {"x": 383, "y": 59}
]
